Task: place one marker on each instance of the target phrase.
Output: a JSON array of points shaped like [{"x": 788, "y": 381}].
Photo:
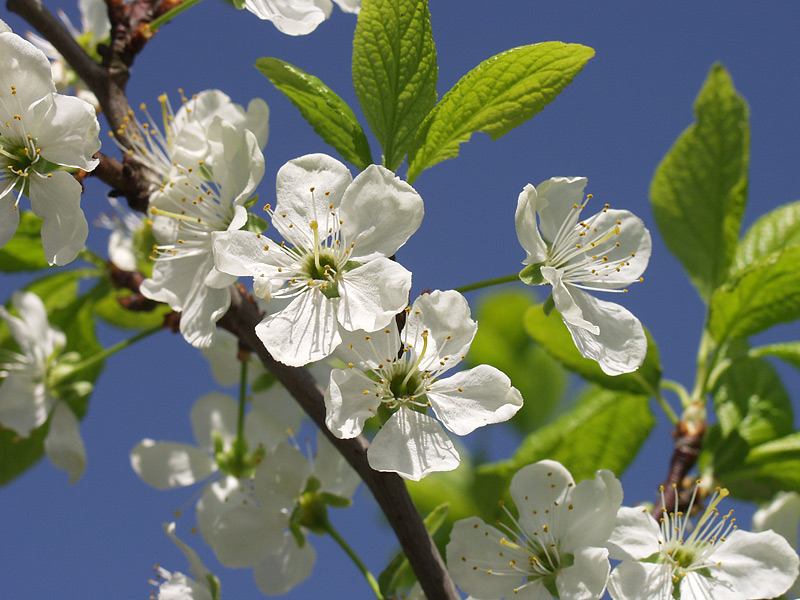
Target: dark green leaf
[
  {"x": 773, "y": 232},
  {"x": 499, "y": 94},
  {"x": 24, "y": 251},
  {"x": 765, "y": 294},
  {"x": 553, "y": 335},
  {"x": 329, "y": 115},
  {"x": 699, "y": 190},
  {"x": 394, "y": 71}
]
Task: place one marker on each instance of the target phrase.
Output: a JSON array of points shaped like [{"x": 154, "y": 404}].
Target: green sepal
[
  {"x": 333, "y": 500},
  {"x": 549, "y": 305},
  {"x": 532, "y": 275},
  {"x": 330, "y": 116},
  {"x": 255, "y": 224},
  {"x": 263, "y": 382}
]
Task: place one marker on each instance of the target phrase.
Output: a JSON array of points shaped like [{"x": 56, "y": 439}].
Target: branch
[
  {"x": 388, "y": 488},
  {"x": 688, "y": 443}
]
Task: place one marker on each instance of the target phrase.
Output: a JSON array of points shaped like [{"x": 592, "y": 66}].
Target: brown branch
[
  {"x": 687, "y": 446},
  {"x": 387, "y": 488}
]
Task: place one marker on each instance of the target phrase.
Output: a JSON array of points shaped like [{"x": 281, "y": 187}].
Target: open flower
[
  {"x": 605, "y": 252},
  {"x": 166, "y": 465},
  {"x": 195, "y": 202},
  {"x": 27, "y": 400},
  {"x": 555, "y": 546},
  {"x": 711, "y": 561},
  {"x": 436, "y": 337},
  {"x": 334, "y": 265},
  {"x": 298, "y": 17},
  {"x": 42, "y": 135},
  {"x": 265, "y": 526}
]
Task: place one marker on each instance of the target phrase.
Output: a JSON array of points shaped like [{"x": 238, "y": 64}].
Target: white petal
[
  {"x": 202, "y": 309},
  {"x": 167, "y": 465},
  {"x": 475, "y": 544},
  {"x": 635, "y": 535},
  {"x": 347, "y": 407},
  {"x": 782, "y": 515},
  {"x": 698, "y": 587},
  {"x": 474, "y": 398},
  {"x": 29, "y": 70},
  {"x": 586, "y": 578},
  {"x": 23, "y": 403},
  {"x": 633, "y": 580},
  {"x": 214, "y": 413},
  {"x": 57, "y": 199},
  {"x": 121, "y": 251},
  {"x": 446, "y": 317},
  {"x": 305, "y": 331},
  {"x": 368, "y": 350},
  {"x": 536, "y": 488},
  {"x": 218, "y": 498},
  {"x": 565, "y": 302},
  {"x": 285, "y": 568},
  {"x": 292, "y": 17},
  {"x": 412, "y": 445},
  {"x": 32, "y": 330},
  {"x": 372, "y": 294},
  {"x": 181, "y": 587},
  {"x": 757, "y": 565},
  {"x": 222, "y": 359},
  {"x": 274, "y": 414},
  {"x": 596, "y": 503},
  {"x": 555, "y": 200},
  {"x": 306, "y": 187},
  {"x": 527, "y": 230},
  {"x": 63, "y": 444},
  {"x": 196, "y": 566},
  {"x": 380, "y": 212},
  {"x": 9, "y": 218},
  {"x": 350, "y": 6},
  {"x": 245, "y": 535},
  {"x": 68, "y": 132},
  {"x": 333, "y": 471},
  {"x": 244, "y": 253},
  {"x": 4, "y": 28},
  {"x": 281, "y": 478}
]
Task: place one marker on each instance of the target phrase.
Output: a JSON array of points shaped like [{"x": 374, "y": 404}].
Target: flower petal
[
  {"x": 57, "y": 199},
  {"x": 167, "y": 465},
  {"x": 596, "y": 503},
  {"x": 633, "y": 580},
  {"x": 63, "y": 444},
  {"x": 556, "y": 198},
  {"x": 181, "y": 587},
  {"x": 196, "y": 566},
  {"x": 281, "y": 478},
  {"x": 25, "y": 405},
  {"x": 782, "y": 515},
  {"x": 372, "y": 294},
  {"x": 380, "y": 212},
  {"x": 218, "y": 498},
  {"x": 412, "y": 445},
  {"x": 536, "y": 488},
  {"x": 303, "y": 332},
  {"x": 635, "y": 535},
  {"x": 214, "y": 414},
  {"x": 586, "y": 578},
  {"x": 292, "y": 17},
  {"x": 333, "y": 471},
  {"x": 474, "y": 398},
  {"x": 288, "y": 566},
  {"x": 273, "y": 415},
  {"x": 27, "y": 68},
  {"x": 347, "y": 407},
  {"x": 9, "y": 218},
  {"x": 68, "y": 132},
  {"x": 245, "y": 535},
  {"x": 527, "y": 230}
]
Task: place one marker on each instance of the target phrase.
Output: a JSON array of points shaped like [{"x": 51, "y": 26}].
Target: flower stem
[
  {"x": 488, "y": 283},
  {"x": 168, "y": 16},
  {"x": 373, "y": 583},
  {"x": 106, "y": 352}
]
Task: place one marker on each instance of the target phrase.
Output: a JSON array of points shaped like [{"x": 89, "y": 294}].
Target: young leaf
[
  {"x": 499, "y": 94},
  {"x": 605, "y": 431},
  {"x": 764, "y": 295},
  {"x": 767, "y": 469},
  {"x": 24, "y": 251},
  {"x": 788, "y": 351},
  {"x": 700, "y": 188},
  {"x": 773, "y": 232},
  {"x": 332, "y": 119},
  {"x": 108, "y": 308},
  {"x": 553, "y": 335},
  {"x": 394, "y": 71}
]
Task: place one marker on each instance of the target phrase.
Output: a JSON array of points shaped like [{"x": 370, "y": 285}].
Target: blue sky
[{"x": 101, "y": 537}]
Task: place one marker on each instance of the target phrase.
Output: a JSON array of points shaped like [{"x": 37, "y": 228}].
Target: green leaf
[
  {"x": 553, "y": 335},
  {"x": 772, "y": 232},
  {"x": 765, "y": 294},
  {"x": 499, "y": 94},
  {"x": 750, "y": 398},
  {"x": 788, "y": 351},
  {"x": 398, "y": 574},
  {"x": 767, "y": 469},
  {"x": 108, "y": 308},
  {"x": 501, "y": 341},
  {"x": 330, "y": 116},
  {"x": 604, "y": 431},
  {"x": 24, "y": 251},
  {"x": 394, "y": 71},
  {"x": 699, "y": 190}
]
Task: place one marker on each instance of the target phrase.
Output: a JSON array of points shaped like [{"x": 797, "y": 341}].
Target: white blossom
[
  {"x": 298, "y": 17},
  {"x": 553, "y": 548},
  {"x": 333, "y": 265},
  {"x": 43, "y": 134},
  {"x": 27, "y": 379},
  {"x": 265, "y": 526},
  {"x": 710, "y": 560},
  {"x": 604, "y": 252},
  {"x": 437, "y": 334}
]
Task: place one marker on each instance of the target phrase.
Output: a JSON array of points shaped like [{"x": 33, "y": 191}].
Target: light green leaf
[
  {"x": 604, "y": 431},
  {"x": 553, "y": 335},
  {"x": 398, "y": 574},
  {"x": 108, "y": 308},
  {"x": 330, "y": 116},
  {"x": 24, "y": 251},
  {"x": 765, "y": 294},
  {"x": 789, "y": 351},
  {"x": 501, "y": 341},
  {"x": 772, "y": 232},
  {"x": 499, "y": 94},
  {"x": 394, "y": 71},
  {"x": 767, "y": 469},
  {"x": 699, "y": 190}
]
